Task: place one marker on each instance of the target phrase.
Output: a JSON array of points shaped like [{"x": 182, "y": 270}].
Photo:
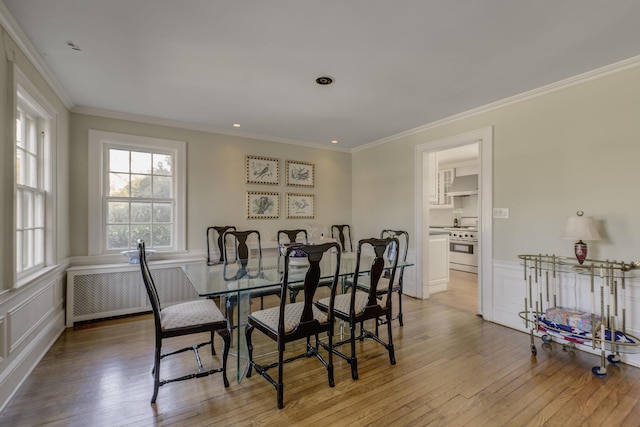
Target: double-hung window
[
  {"x": 137, "y": 192},
  {"x": 33, "y": 180}
]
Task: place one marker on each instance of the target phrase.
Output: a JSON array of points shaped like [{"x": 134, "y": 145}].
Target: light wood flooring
[{"x": 452, "y": 368}]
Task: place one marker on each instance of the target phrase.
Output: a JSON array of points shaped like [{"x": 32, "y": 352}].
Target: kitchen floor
[{"x": 461, "y": 293}]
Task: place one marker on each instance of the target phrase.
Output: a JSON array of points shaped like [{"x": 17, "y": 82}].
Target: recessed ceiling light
[
  {"x": 236, "y": 125},
  {"x": 324, "y": 80},
  {"x": 335, "y": 141}
]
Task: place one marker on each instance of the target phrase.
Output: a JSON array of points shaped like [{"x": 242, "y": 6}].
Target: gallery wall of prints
[{"x": 267, "y": 204}]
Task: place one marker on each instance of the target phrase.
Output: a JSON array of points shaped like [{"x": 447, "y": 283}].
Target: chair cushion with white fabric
[
  {"x": 190, "y": 313},
  {"x": 292, "y": 314}
]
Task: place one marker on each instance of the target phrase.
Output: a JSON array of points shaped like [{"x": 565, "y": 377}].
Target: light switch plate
[{"x": 501, "y": 213}]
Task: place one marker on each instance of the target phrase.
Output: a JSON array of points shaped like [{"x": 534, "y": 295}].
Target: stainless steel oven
[{"x": 463, "y": 249}]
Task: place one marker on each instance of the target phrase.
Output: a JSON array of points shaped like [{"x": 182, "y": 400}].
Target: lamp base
[{"x": 580, "y": 249}]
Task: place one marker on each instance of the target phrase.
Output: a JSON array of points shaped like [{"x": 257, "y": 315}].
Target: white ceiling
[{"x": 397, "y": 65}]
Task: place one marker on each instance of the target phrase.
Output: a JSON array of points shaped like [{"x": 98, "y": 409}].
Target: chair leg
[
  {"x": 400, "y": 307},
  {"x": 213, "y": 349},
  {"x": 292, "y": 296},
  {"x": 226, "y": 338},
  {"x": 392, "y": 356},
  {"x": 330, "y": 359},
  {"x": 230, "y": 306},
  {"x": 156, "y": 369},
  {"x": 248, "y": 331},
  {"x": 280, "y": 384},
  {"x": 354, "y": 361}
]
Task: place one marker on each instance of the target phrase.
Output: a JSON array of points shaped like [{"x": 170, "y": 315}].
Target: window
[
  {"x": 33, "y": 180},
  {"x": 140, "y": 184}
]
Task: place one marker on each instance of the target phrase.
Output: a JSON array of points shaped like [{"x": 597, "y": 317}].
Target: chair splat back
[
  {"x": 242, "y": 249},
  {"x": 380, "y": 247},
  {"x": 220, "y": 230},
  {"x": 343, "y": 234},
  {"x": 293, "y": 235}
]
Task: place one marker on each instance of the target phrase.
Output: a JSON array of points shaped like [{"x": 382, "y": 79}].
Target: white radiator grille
[{"x": 94, "y": 295}]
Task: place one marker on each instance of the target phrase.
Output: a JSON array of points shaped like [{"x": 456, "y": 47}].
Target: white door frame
[{"x": 484, "y": 138}]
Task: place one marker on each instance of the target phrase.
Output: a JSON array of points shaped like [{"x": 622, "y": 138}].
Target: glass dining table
[{"x": 239, "y": 279}]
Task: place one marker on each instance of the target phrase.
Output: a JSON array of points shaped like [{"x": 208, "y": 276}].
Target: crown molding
[
  {"x": 607, "y": 70},
  {"x": 12, "y": 28},
  {"x": 196, "y": 127}
]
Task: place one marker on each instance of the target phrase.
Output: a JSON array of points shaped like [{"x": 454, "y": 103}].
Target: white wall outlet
[{"x": 501, "y": 213}]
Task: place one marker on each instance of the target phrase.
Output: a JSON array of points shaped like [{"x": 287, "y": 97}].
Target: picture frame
[
  {"x": 300, "y": 174},
  {"x": 262, "y": 170},
  {"x": 263, "y": 205},
  {"x": 301, "y": 205}
]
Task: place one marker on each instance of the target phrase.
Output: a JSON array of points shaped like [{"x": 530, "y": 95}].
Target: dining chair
[
  {"x": 297, "y": 235},
  {"x": 185, "y": 318},
  {"x": 384, "y": 283},
  {"x": 357, "y": 306},
  {"x": 285, "y": 237},
  {"x": 242, "y": 256},
  {"x": 220, "y": 232},
  {"x": 342, "y": 233},
  {"x": 294, "y": 321}
]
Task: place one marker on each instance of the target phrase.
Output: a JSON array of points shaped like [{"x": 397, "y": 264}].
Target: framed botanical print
[
  {"x": 300, "y": 205},
  {"x": 262, "y": 170},
  {"x": 263, "y": 205},
  {"x": 300, "y": 174}
]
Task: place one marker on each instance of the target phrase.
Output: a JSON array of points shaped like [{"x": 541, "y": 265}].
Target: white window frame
[
  {"x": 29, "y": 97},
  {"x": 99, "y": 142}
]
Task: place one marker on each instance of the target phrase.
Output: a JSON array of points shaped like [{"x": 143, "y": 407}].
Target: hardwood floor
[
  {"x": 462, "y": 292},
  {"x": 452, "y": 368}
]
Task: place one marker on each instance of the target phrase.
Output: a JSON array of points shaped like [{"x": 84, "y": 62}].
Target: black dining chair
[
  {"x": 185, "y": 318},
  {"x": 242, "y": 254},
  {"x": 400, "y": 253},
  {"x": 287, "y": 237},
  {"x": 357, "y": 306},
  {"x": 219, "y": 229},
  {"x": 294, "y": 321},
  {"x": 342, "y": 233}
]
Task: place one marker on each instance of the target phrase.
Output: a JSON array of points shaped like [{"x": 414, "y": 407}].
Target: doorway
[{"x": 426, "y": 217}]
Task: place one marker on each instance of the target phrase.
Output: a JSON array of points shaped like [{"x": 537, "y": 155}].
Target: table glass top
[{"x": 212, "y": 280}]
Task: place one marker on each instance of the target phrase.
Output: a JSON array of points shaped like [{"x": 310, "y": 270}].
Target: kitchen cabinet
[
  {"x": 443, "y": 181},
  {"x": 436, "y": 267}
]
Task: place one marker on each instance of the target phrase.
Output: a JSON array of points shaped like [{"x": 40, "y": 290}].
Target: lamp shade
[{"x": 580, "y": 228}]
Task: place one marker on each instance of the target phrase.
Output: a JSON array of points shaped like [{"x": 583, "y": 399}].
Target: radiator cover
[{"x": 101, "y": 291}]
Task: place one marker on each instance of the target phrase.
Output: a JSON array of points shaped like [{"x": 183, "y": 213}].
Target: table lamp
[{"x": 580, "y": 228}]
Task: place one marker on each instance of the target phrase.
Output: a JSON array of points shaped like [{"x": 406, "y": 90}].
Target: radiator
[{"x": 101, "y": 291}]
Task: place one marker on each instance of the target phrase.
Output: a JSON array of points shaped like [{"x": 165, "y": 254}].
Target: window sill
[{"x": 34, "y": 277}]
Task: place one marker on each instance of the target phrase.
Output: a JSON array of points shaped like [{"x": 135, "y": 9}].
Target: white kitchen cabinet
[
  {"x": 436, "y": 269},
  {"x": 443, "y": 183}
]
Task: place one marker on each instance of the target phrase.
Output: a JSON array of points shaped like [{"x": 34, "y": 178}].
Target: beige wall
[
  {"x": 572, "y": 149},
  {"x": 216, "y": 188}
]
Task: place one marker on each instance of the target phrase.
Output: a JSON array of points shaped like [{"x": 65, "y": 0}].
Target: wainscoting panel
[
  {"x": 31, "y": 319},
  {"x": 27, "y": 317}
]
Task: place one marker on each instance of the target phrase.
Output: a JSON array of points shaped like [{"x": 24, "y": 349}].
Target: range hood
[{"x": 464, "y": 186}]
